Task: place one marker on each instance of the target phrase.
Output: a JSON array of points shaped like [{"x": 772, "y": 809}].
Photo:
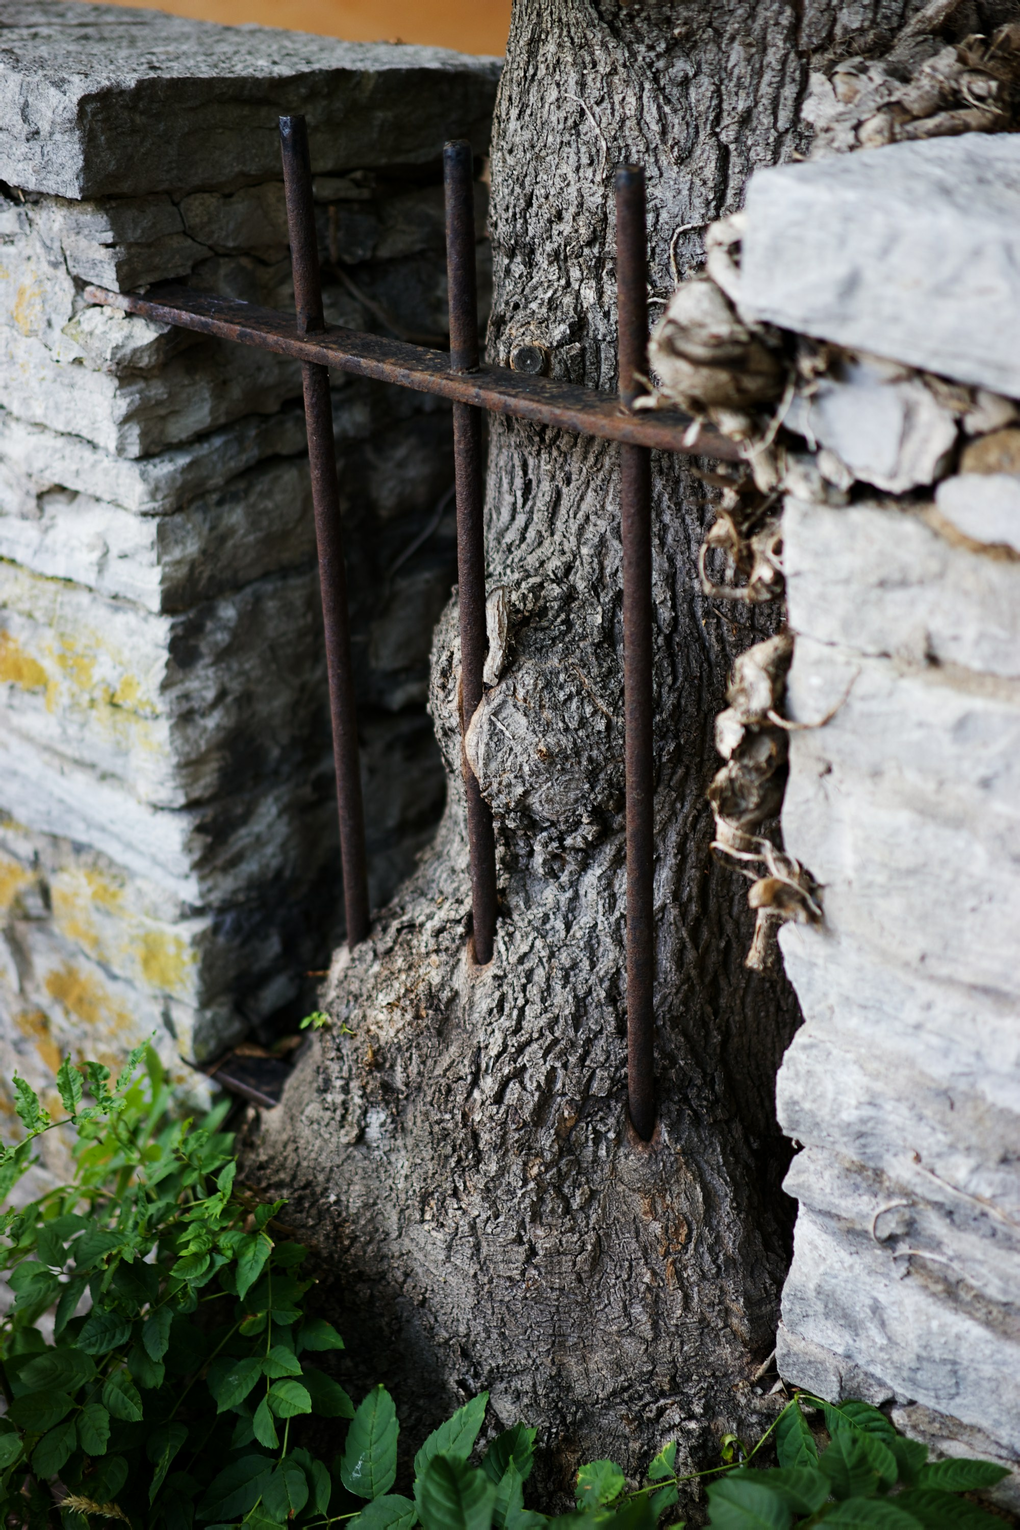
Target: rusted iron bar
[
  {"x": 469, "y": 470},
  {"x": 635, "y": 507},
  {"x": 585, "y": 411},
  {"x": 297, "y": 177}
]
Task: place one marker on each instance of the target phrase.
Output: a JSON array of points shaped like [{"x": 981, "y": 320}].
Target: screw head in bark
[{"x": 530, "y": 358}]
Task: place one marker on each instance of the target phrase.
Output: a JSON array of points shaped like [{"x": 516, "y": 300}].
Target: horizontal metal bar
[{"x": 584, "y": 411}]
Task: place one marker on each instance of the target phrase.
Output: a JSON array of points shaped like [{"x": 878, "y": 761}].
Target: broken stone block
[
  {"x": 78, "y": 83},
  {"x": 911, "y": 251},
  {"x": 883, "y": 423},
  {"x": 983, "y": 506},
  {"x": 881, "y": 580}
]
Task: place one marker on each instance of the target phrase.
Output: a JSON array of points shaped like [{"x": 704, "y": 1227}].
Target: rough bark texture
[{"x": 462, "y": 1158}]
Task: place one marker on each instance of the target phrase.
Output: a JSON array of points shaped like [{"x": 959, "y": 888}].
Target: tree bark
[{"x": 462, "y": 1159}]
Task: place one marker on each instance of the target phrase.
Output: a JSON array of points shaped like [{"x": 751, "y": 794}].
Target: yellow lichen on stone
[
  {"x": 18, "y": 667},
  {"x": 35, "y": 1024},
  {"x": 14, "y": 878},
  {"x": 85, "y": 998},
  {"x": 89, "y": 908},
  {"x": 165, "y": 960},
  {"x": 27, "y": 312}
]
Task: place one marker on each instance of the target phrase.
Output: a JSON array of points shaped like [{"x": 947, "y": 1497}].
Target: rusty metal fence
[{"x": 473, "y": 387}]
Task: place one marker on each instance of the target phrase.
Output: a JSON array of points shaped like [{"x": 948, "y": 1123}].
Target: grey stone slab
[
  {"x": 910, "y": 251},
  {"x": 80, "y": 85},
  {"x": 983, "y": 506},
  {"x": 157, "y": 484},
  {"x": 893, "y": 1320},
  {"x": 258, "y": 523},
  {"x": 881, "y": 580}
]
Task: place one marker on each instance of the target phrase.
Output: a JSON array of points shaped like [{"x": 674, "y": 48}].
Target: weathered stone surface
[
  {"x": 983, "y": 506},
  {"x": 886, "y": 427},
  {"x": 76, "y": 81},
  {"x": 846, "y": 1294},
  {"x": 925, "y": 598},
  {"x": 910, "y": 251},
  {"x": 258, "y": 523}
]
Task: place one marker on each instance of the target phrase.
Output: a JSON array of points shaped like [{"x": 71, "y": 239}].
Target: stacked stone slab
[
  {"x": 168, "y": 856},
  {"x": 903, "y": 1087}
]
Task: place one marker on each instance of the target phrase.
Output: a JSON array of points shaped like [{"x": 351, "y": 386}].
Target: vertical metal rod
[
  {"x": 297, "y": 177},
  {"x": 635, "y": 505},
  {"x": 458, "y": 168}
]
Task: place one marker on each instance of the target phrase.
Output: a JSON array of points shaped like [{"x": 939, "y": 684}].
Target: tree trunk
[{"x": 461, "y": 1159}]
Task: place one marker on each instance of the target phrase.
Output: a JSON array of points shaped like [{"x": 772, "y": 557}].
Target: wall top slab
[
  {"x": 910, "y": 251},
  {"x": 96, "y": 100}
]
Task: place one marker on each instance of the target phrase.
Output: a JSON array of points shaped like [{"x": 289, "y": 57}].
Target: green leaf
[
  {"x": 111, "y": 1476},
  {"x": 39, "y": 1411},
  {"x": 161, "y": 1447},
  {"x": 230, "y": 1381},
  {"x": 121, "y": 1397},
  {"x": 103, "y": 1331},
  {"x": 599, "y": 1482},
  {"x": 910, "y": 1457},
  {"x": 26, "y": 1102},
  {"x": 871, "y": 1514},
  {"x": 10, "y": 1449},
  {"x": 55, "y": 1448},
  {"x": 509, "y": 1497},
  {"x": 849, "y": 1467},
  {"x": 743, "y": 1505},
  {"x": 804, "y": 1488},
  {"x": 664, "y": 1499},
  {"x": 289, "y": 1398},
  {"x": 252, "y": 1254},
  {"x": 960, "y": 1475},
  {"x": 456, "y": 1438},
  {"x": 94, "y": 1245},
  {"x": 322, "y": 1485},
  {"x": 316, "y": 1333},
  {"x": 94, "y": 1429},
  {"x": 454, "y": 1496},
  {"x": 369, "y": 1465},
  {"x": 281, "y": 1361},
  {"x": 69, "y": 1086},
  {"x": 71, "y": 1295},
  {"x": 935, "y": 1510},
  {"x": 516, "y": 1444},
  {"x": 286, "y": 1492},
  {"x": 63, "y": 1369},
  {"x": 146, "y": 1372},
  {"x": 664, "y": 1464},
  {"x": 795, "y": 1444},
  {"x": 390, "y": 1512},
  {"x": 329, "y": 1399},
  {"x": 858, "y": 1416},
  {"x": 263, "y": 1427},
  {"x": 156, "y": 1332},
  {"x": 236, "y": 1490}
]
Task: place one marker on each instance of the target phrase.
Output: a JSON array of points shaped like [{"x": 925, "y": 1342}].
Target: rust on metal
[
  {"x": 469, "y": 469},
  {"x": 297, "y": 178},
  {"x": 585, "y": 411},
  {"x": 636, "y": 519}
]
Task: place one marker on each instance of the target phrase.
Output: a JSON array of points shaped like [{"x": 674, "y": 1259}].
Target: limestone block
[
  {"x": 159, "y": 483},
  {"x": 76, "y": 82},
  {"x": 909, "y": 251},
  {"x": 882, "y": 581},
  {"x": 892, "y": 1319},
  {"x": 904, "y": 807},
  {"x": 177, "y": 708},
  {"x": 134, "y": 416},
  {"x": 258, "y": 523},
  {"x": 887, "y": 427},
  {"x": 983, "y": 506},
  {"x": 211, "y": 854},
  {"x": 891, "y": 1063}
]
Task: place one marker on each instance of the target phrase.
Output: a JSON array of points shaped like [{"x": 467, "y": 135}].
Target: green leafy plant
[{"x": 158, "y": 1362}]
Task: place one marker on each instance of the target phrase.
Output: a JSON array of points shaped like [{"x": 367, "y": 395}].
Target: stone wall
[
  {"x": 168, "y": 850},
  {"x": 901, "y": 554}
]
